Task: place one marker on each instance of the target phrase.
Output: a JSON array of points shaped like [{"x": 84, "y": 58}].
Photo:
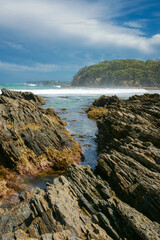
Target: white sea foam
[
  {"x": 31, "y": 84},
  {"x": 85, "y": 91}
]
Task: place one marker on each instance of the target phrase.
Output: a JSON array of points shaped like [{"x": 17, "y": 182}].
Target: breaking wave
[{"x": 84, "y": 91}]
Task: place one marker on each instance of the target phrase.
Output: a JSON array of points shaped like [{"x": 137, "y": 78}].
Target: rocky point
[
  {"x": 120, "y": 200},
  {"x": 129, "y": 143},
  {"x": 32, "y": 139}
]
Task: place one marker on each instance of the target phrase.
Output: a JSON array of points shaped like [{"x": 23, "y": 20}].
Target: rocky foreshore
[
  {"x": 32, "y": 139},
  {"x": 120, "y": 200},
  {"x": 76, "y": 206},
  {"x": 129, "y": 143}
]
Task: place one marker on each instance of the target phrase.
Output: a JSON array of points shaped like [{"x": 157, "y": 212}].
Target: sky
[{"x": 53, "y": 39}]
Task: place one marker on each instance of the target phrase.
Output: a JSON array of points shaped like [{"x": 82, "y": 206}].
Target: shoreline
[
  {"x": 116, "y": 87},
  {"x": 122, "y": 191}
]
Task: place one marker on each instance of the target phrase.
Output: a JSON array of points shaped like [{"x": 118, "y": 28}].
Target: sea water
[{"x": 70, "y": 103}]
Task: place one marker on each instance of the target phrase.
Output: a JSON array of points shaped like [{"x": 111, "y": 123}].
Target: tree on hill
[{"x": 129, "y": 72}]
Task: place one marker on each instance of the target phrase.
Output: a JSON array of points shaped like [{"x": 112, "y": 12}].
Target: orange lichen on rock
[
  {"x": 33, "y": 139},
  {"x": 96, "y": 112}
]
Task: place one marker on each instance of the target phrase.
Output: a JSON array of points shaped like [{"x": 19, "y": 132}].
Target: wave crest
[{"x": 84, "y": 91}]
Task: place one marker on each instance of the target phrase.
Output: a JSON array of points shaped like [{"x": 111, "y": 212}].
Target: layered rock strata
[
  {"x": 76, "y": 206},
  {"x": 119, "y": 201},
  {"x": 129, "y": 143},
  {"x": 32, "y": 138}
]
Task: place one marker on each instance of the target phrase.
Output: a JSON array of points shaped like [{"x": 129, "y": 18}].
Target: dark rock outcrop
[
  {"x": 76, "y": 206},
  {"x": 129, "y": 144},
  {"x": 22, "y": 95},
  {"x": 32, "y": 139},
  {"x": 121, "y": 200}
]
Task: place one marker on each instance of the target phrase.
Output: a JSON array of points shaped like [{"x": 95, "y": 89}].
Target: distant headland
[{"x": 120, "y": 73}]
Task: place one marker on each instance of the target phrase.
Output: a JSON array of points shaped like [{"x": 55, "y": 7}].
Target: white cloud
[
  {"x": 37, "y": 67},
  {"x": 14, "y": 45},
  {"x": 135, "y": 24},
  {"x": 156, "y": 39},
  {"x": 78, "y": 21}
]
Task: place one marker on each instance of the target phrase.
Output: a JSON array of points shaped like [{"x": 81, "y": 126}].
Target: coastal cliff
[
  {"x": 119, "y": 73},
  {"x": 119, "y": 200}
]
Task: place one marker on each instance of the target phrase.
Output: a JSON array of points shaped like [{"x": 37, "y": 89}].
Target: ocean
[{"x": 69, "y": 104}]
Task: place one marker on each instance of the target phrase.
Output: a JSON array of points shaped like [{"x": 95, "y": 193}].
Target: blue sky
[{"x": 53, "y": 39}]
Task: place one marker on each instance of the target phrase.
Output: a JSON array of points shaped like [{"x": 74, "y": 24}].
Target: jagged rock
[
  {"x": 77, "y": 206},
  {"x": 129, "y": 141},
  {"x": 119, "y": 201},
  {"x": 23, "y": 95},
  {"x": 47, "y": 236},
  {"x": 101, "y": 106},
  {"x": 55, "y": 211},
  {"x": 32, "y": 139},
  {"x": 18, "y": 235}
]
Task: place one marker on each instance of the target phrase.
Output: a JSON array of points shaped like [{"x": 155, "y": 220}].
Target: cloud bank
[{"x": 87, "y": 23}]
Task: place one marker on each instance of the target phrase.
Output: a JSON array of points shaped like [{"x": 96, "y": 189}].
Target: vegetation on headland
[{"x": 126, "y": 73}]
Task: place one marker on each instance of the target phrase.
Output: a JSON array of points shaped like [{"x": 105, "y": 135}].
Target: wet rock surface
[
  {"x": 121, "y": 200},
  {"x": 32, "y": 139}
]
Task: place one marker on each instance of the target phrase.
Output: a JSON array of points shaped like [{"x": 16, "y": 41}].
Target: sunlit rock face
[
  {"x": 32, "y": 139},
  {"x": 76, "y": 206},
  {"x": 129, "y": 141},
  {"x": 120, "y": 200}
]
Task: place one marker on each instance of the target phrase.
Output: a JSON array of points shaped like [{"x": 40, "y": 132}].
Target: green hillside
[{"x": 129, "y": 72}]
